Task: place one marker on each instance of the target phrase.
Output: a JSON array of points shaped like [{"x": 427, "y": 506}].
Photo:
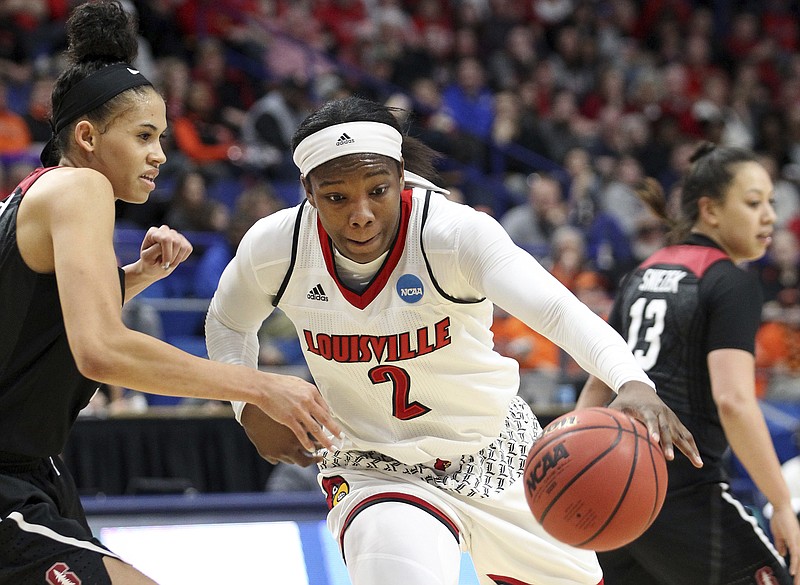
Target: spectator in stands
[
  {"x": 158, "y": 23},
  {"x": 592, "y": 289},
  {"x": 583, "y": 186},
  {"x": 780, "y": 268},
  {"x": 575, "y": 68},
  {"x": 678, "y": 164},
  {"x": 778, "y": 348},
  {"x": 531, "y": 224},
  {"x": 191, "y": 208},
  {"x": 216, "y": 257},
  {"x": 258, "y": 200},
  {"x": 296, "y": 41},
  {"x": 563, "y": 128},
  {"x": 538, "y": 357},
  {"x": 567, "y": 255},
  {"x": 469, "y": 101},
  {"x": 231, "y": 89},
  {"x": 511, "y": 133},
  {"x": 278, "y": 344},
  {"x": 649, "y": 236},
  {"x": 201, "y": 135},
  {"x": 16, "y": 61},
  {"x": 609, "y": 91},
  {"x": 786, "y": 195},
  {"x": 675, "y": 99},
  {"x": 510, "y": 65},
  {"x": 18, "y": 167},
  {"x": 15, "y": 137},
  {"x": 618, "y": 198},
  {"x": 432, "y": 17},
  {"x": 174, "y": 78},
  {"x": 342, "y": 20},
  {"x": 268, "y": 127},
  {"x": 771, "y": 136},
  {"x": 255, "y": 202},
  {"x": 431, "y": 122},
  {"x": 37, "y": 113},
  {"x": 608, "y": 248}
]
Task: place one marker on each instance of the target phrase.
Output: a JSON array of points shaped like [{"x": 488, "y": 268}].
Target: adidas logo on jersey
[
  {"x": 344, "y": 139},
  {"x": 317, "y": 294}
]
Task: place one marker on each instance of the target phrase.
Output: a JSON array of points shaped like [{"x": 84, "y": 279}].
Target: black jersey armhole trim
[
  {"x": 295, "y": 244},
  {"x": 435, "y": 282}
]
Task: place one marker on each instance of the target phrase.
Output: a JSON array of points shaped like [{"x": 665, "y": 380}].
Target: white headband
[{"x": 347, "y": 138}]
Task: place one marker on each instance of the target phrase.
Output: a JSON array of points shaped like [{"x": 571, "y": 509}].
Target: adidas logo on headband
[
  {"x": 335, "y": 141},
  {"x": 344, "y": 139}
]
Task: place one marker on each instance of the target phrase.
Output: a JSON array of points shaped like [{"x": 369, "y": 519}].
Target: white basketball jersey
[{"x": 408, "y": 370}]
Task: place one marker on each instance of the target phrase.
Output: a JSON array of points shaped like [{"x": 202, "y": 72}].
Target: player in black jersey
[
  {"x": 61, "y": 295},
  {"x": 690, "y": 315}
]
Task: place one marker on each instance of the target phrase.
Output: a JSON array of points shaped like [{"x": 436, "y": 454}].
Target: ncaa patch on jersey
[{"x": 409, "y": 288}]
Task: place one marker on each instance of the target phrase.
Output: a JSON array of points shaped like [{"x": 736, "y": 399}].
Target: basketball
[{"x": 595, "y": 480}]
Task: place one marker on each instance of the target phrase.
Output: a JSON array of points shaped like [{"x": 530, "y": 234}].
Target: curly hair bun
[{"x": 103, "y": 31}]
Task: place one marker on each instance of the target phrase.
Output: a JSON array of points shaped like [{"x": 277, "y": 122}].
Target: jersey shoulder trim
[
  {"x": 437, "y": 286},
  {"x": 295, "y": 241},
  {"x": 26, "y": 183},
  {"x": 697, "y": 259}
]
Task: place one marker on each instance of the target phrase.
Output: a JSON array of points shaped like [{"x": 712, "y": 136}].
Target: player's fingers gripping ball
[{"x": 595, "y": 479}]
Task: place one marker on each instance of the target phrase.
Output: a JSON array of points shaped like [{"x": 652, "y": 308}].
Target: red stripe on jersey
[
  {"x": 695, "y": 258},
  {"x": 403, "y": 499},
  {"x": 361, "y": 301},
  {"x": 28, "y": 181}
]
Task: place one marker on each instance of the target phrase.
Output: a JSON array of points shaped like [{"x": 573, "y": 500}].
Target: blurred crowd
[{"x": 547, "y": 113}]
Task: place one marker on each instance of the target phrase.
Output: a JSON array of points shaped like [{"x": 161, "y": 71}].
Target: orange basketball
[{"x": 595, "y": 479}]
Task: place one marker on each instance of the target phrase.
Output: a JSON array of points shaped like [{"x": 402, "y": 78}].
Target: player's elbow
[
  {"x": 731, "y": 405},
  {"x": 96, "y": 357}
]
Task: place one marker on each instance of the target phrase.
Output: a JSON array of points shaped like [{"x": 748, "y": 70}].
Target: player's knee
[
  {"x": 396, "y": 528},
  {"x": 395, "y": 544}
]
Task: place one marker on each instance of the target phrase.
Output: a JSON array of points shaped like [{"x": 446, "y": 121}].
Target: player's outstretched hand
[
  {"x": 162, "y": 250},
  {"x": 786, "y": 534},
  {"x": 641, "y": 402},
  {"x": 298, "y": 404}
]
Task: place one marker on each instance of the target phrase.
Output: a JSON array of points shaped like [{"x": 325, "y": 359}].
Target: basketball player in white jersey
[{"x": 390, "y": 287}]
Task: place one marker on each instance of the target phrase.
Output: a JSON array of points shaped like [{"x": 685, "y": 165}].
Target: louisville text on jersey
[{"x": 382, "y": 348}]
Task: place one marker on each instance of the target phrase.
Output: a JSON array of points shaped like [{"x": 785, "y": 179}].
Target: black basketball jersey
[
  {"x": 680, "y": 304},
  {"x": 41, "y": 389}
]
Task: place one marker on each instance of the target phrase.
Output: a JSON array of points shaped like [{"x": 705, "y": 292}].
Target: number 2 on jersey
[
  {"x": 401, "y": 387},
  {"x": 654, "y": 311}
]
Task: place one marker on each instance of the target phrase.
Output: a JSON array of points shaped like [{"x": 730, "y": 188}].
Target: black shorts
[
  {"x": 44, "y": 536},
  {"x": 702, "y": 536}
]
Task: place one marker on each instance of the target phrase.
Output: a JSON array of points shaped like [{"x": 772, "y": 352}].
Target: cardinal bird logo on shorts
[
  {"x": 441, "y": 465},
  {"x": 336, "y": 489},
  {"x": 61, "y": 574}
]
